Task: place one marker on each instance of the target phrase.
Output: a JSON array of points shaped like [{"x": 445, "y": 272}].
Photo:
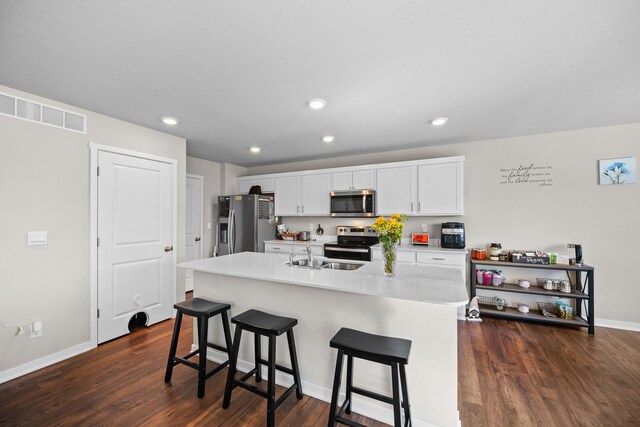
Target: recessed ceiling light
[
  {"x": 317, "y": 103},
  {"x": 328, "y": 138},
  {"x": 171, "y": 121},
  {"x": 439, "y": 121},
  {"x": 255, "y": 149}
]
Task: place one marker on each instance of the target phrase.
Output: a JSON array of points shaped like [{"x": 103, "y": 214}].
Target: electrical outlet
[{"x": 35, "y": 329}]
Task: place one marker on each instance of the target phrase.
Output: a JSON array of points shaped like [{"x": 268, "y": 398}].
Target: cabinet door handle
[
  {"x": 418, "y": 206},
  {"x": 438, "y": 259},
  {"x": 298, "y": 209},
  {"x": 411, "y": 206},
  {"x": 302, "y": 208}
]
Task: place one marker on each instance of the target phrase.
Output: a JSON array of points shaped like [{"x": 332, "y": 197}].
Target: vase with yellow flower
[{"x": 389, "y": 232}]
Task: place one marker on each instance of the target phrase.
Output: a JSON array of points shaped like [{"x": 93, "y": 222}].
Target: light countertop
[
  {"x": 420, "y": 248},
  {"x": 437, "y": 285},
  {"x": 299, "y": 242}
]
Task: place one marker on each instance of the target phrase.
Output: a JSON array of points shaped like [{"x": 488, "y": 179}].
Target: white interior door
[
  {"x": 135, "y": 260},
  {"x": 193, "y": 225}
]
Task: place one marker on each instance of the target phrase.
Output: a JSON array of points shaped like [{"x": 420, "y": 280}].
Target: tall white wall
[
  {"x": 574, "y": 209},
  {"x": 44, "y": 185}
]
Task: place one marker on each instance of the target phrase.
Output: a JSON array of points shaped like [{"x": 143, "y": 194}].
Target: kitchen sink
[
  {"x": 341, "y": 265},
  {"x": 319, "y": 263}
]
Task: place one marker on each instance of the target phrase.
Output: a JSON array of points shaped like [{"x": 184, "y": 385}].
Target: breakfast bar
[{"x": 419, "y": 303}]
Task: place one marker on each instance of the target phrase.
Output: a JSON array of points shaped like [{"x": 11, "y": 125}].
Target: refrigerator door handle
[{"x": 232, "y": 231}]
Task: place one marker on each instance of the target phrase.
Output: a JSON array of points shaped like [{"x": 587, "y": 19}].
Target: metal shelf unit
[{"x": 583, "y": 295}]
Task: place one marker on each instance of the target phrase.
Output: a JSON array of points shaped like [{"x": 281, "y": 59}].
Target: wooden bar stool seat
[
  {"x": 261, "y": 323},
  {"x": 390, "y": 351},
  {"x": 202, "y": 310}
]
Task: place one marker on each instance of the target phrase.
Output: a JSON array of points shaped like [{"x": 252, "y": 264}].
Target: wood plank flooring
[
  {"x": 522, "y": 374},
  {"x": 510, "y": 374}
]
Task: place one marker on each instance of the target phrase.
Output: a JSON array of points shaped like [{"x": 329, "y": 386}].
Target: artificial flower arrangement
[{"x": 389, "y": 232}]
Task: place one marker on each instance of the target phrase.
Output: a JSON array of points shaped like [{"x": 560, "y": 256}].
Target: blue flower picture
[{"x": 618, "y": 171}]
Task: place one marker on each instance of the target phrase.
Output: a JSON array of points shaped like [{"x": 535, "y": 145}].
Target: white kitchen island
[{"x": 419, "y": 303}]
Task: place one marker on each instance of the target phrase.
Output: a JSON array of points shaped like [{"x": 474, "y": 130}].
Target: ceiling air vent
[{"x": 32, "y": 111}]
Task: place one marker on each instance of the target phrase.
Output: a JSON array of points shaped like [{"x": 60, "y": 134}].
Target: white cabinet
[
  {"x": 404, "y": 257},
  {"x": 315, "y": 194},
  {"x": 443, "y": 259},
  {"x": 396, "y": 190},
  {"x": 287, "y": 247},
  {"x": 303, "y": 195},
  {"x": 355, "y": 180},
  {"x": 440, "y": 189},
  {"x": 287, "y": 196},
  {"x": 266, "y": 184}
]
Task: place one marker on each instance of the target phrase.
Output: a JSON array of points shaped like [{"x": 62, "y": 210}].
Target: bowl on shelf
[{"x": 523, "y": 283}]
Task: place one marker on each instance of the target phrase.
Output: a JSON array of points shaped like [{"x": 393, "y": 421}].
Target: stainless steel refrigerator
[{"x": 244, "y": 223}]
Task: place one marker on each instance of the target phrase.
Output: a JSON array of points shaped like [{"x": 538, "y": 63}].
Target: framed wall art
[{"x": 617, "y": 171}]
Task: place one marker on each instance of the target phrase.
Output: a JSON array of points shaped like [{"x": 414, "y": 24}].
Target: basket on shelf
[
  {"x": 493, "y": 302},
  {"x": 549, "y": 309}
]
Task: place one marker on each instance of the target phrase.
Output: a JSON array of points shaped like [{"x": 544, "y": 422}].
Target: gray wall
[
  {"x": 44, "y": 185},
  {"x": 574, "y": 209}
]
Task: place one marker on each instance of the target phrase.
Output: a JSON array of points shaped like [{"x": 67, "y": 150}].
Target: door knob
[
  {"x": 168, "y": 248},
  {"x": 197, "y": 239}
]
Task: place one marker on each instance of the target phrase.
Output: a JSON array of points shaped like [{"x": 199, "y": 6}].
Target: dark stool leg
[
  {"x": 405, "y": 397},
  {"x": 347, "y": 409},
  {"x": 294, "y": 363},
  {"x": 232, "y": 368},
  {"x": 227, "y": 334},
  {"x": 271, "y": 386},
  {"x": 203, "y": 329},
  {"x": 336, "y": 389},
  {"x": 397, "y": 421},
  {"x": 258, "y": 353},
  {"x": 174, "y": 347}
]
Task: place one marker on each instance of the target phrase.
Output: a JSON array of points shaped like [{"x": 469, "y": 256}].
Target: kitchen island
[{"x": 419, "y": 303}]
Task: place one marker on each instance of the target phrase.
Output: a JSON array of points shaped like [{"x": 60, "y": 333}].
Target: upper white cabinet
[
  {"x": 396, "y": 190},
  {"x": 354, "y": 180},
  {"x": 266, "y": 184},
  {"x": 440, "y": 189},
  {"x": 415, "y": 188},
  {"x": 303, "y": 195},
  {"x": 315, "y": 194},
  {"x": 287, "y": 196}
]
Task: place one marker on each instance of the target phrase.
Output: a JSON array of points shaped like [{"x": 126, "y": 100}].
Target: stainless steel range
[{"x": 353, "y": 243}]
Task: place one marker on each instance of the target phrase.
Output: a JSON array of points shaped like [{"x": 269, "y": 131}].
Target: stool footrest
[
  {"x": 372, "y": 395},
  {"x": 347, "y": 422},
  {"x": 248, "y": 375},
  {"x": 252, "y": 388},
  {"x": 217, "y": 369},
  {"x": 184, "y": 361},
  {"x": 278, "y": 367},
  {"x": 286, "y": 394},
  {"x": 217, "y": 347}
]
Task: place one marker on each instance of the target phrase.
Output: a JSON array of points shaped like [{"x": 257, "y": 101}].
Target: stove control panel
[{"x": 345, "y": 230}]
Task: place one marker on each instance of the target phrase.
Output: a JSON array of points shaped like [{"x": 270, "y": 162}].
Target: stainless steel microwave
[{"x": 353, "y": 203}]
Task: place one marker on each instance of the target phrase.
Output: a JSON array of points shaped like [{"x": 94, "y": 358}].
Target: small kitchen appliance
[
  {"x": 452, "y": 235},
  {"x": 353, "y": 243},
  {"x": 353, "y": 203},
  {"x": 420, "y": 239}
]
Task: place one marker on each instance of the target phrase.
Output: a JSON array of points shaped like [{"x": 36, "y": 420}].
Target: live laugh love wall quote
[{"x": 527, "y": 174}]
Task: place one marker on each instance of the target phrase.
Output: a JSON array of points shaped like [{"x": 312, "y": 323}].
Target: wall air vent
[{"x": 32, "y": 111}]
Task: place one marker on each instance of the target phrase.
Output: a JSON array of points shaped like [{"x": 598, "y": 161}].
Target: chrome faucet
[
  {"x": 291, "y": 257},
  {"x": 310, "y": 256}
]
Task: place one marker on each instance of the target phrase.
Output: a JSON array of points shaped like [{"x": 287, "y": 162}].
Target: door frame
[
  {"x": 201, "y": 179},
  {"x": 93, "y": 222}
]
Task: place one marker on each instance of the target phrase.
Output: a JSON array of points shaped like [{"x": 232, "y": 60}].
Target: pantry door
[{"x": 135, "y": 253}]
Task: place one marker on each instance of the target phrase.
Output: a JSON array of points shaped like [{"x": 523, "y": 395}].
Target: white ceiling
[{"x": 238, "y": 73}]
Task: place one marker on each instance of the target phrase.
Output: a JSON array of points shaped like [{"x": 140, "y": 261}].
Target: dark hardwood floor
[
  {"x": 522, "y": 374},
  {"x": 510, "y": 374}
]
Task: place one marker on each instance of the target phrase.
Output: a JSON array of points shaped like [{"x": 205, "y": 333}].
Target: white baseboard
[
  {"x": 618, "y": 324},
  {"x": 43, "y": 362},
  {"x": 361, "y": 406}
]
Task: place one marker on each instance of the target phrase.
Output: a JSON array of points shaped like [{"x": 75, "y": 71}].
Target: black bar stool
[
  {"x": 202, "y": 310},
  {"x": 376, "y": 348},
  {"x": 261, "y": 323}
]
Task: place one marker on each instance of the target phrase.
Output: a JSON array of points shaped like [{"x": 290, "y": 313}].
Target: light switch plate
[{"x": 37, "y": 238}]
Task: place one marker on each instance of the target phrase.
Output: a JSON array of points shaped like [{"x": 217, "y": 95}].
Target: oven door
[{"x": 351, "y": 253}]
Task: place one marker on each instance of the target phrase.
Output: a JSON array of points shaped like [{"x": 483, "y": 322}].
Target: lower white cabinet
[
  {"x": 291, "y": 247},
  {"x": 442, "y": 258}
]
